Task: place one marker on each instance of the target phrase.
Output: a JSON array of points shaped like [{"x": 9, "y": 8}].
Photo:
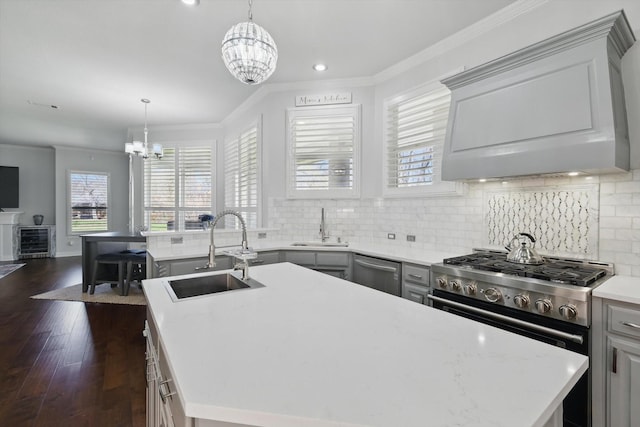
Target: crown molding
[{"x": 463, "y": 36}]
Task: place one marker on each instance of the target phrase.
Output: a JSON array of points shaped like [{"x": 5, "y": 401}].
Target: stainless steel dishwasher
[{"x": 380, "y": 274}]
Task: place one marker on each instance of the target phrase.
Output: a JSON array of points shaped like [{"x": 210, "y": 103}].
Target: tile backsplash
[
  {"x": 564, "y": 221},
  {"x": 591, "y": 218}
]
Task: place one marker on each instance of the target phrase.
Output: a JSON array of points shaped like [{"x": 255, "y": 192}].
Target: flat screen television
[{"x": 9, "y": 187}]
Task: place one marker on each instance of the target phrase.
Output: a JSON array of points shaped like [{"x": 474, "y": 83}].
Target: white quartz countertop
[
  {"x": 620, "y": 288},
  {"x": 401, "y": 254},
  {"x": 310, "y": 350}
]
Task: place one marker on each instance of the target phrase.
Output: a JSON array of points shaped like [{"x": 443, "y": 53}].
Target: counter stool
[
  {"x": 113, "y": 258},
  {"x": 136, "y": 268}
]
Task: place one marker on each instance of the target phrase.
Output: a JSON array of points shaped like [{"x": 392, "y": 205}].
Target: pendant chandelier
[
  {"x": 140, "y": 148},
  {"x": 249, "y": 52}
]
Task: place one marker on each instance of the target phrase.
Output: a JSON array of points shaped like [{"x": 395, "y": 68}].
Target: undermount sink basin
[
  {"x": 318, "y": 243},
  {"x": 204, "y": 285}
]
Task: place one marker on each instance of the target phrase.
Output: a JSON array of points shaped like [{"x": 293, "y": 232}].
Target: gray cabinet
[
  {"x": 264, "y": 258},
  {"x": 336, "y": 264},
  {"x": 415, "y": 282},
  {"x": 163, "y": 403},
  {"x": 616, "y": 363},
  {"x": 178, "y": 267}
]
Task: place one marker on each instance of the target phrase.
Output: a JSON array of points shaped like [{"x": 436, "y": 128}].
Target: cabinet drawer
[
  {"x": 415, "y": 293},
  {"x": 624, "y": 321},
  {"x": 300, "y": 257},
  {"x": 332, "y": 258},
  {"x": 265, "y": 258},
  {"x": 416, "y": 274}
]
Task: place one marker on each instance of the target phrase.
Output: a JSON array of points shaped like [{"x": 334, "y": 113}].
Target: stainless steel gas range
[{"x": 550, "y": 302}]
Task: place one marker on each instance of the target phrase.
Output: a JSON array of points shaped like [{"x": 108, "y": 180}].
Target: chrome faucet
[
  {"x": 324, "y": 235},
  {"x": 245, "y": 252}
]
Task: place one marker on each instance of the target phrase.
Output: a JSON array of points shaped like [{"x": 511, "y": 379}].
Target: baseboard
[{"x": 67, "y": 254}]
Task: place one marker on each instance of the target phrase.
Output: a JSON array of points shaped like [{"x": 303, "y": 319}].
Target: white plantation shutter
[
  {"x": 178, "y": 188},
  {"x": 323, "y": 145},
  {"x": 416, "y": 126},
  {"x": 241, "y": 164},
  {"x": 88, "y": 209}
]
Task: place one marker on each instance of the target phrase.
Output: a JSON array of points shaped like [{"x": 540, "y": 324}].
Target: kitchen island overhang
[{"x": 309, "y": 349}]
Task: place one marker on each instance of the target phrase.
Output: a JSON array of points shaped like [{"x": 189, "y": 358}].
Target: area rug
[
  {"x": 104, "y": 294},
  {"x": 7, "y": 269}
]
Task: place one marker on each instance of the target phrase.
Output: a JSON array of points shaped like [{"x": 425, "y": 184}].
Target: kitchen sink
[
  {"x": 204, "y": 285},
  {"x": 324, "y": 244}
]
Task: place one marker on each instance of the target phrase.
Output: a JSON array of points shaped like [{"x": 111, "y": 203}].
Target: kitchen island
[{"x": 308, "y": 349}]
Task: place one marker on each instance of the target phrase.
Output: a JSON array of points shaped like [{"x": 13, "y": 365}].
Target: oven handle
[{"x": 575, "y": 338}]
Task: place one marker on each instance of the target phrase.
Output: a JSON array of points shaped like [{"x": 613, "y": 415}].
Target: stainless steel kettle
[{"x": 522, "y": 253}]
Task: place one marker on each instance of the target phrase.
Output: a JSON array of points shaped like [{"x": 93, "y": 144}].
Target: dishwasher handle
[{"x": 376, "y": 266}]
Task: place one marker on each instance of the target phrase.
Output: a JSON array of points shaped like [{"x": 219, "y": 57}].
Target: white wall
[
  {"x": 114, "y": 163},
  {"x": 37, "y": 190}
]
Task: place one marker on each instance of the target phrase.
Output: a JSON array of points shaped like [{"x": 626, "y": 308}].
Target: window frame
[
  {"x": 257, "y": 124},
  {"x": 333, "y": 193},
  {"x": 437, "y": 187},
  {"x": 71, "y": 172},
  {"x": 176, "y": 208}
]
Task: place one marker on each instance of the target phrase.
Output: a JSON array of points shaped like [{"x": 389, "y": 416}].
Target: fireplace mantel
[{"x": 7, "y": 221}]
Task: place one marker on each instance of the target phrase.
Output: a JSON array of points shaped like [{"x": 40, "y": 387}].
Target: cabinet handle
[
  {"x": 631, "y": 325},
  {"x": 165, "y": 394},
  {"x": 415, "y": 276},
  {"x": 257, "y": 261},
  {"x": 614, "y": 365}
]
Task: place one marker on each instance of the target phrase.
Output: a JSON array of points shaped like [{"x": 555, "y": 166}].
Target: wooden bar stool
[{"x": 108, "y": 259}]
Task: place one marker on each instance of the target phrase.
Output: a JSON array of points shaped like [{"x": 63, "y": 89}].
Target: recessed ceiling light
[
  {"x": 191, "y": 2},
  {"x": 320, "y": 67},
  {"x": 573, "y": 173}
]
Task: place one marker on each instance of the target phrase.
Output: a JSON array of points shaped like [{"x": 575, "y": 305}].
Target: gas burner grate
[{"x": 556, "y": 271}]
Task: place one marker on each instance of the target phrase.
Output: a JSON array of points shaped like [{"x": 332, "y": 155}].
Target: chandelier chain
[{"x": 250, "y": 12}]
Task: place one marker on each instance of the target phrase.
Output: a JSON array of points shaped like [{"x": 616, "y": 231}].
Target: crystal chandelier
[
  {"x": 249, "y": 52},
  {"x": 140, "y": 148}
]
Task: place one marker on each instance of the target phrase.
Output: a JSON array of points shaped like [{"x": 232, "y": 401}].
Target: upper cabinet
[{"x": 556, "y": 106}]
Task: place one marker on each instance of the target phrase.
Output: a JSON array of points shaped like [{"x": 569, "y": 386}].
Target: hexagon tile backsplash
[{"x": 564, "y": 220}]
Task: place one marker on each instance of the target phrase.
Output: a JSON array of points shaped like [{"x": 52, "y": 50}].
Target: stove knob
[
  {"x": 543, "y": 306},
  {"x": 521, "y": 301},
  {"x": 470, "y": 288},
  {"x": 568, "y": 311},
  {"x": 442, "y": 282},
  {"x": 456, "y": 286},
  {"x": 492, "y": 294}
]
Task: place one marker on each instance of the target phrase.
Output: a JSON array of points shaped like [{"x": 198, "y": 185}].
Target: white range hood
[{"x": 553, "y": 107}]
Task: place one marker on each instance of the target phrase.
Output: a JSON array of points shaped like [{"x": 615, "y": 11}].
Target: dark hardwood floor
[{"x": 67, "y": 363}]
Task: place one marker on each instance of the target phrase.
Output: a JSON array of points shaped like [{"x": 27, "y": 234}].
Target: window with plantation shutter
[
  {"x": 241, "y": 174},
  {"x": 88, "y": 202},
  {"x": 415, "y": 130},
  {"x": 178, "y": 188},
  {"x": 323, "y": 151}
]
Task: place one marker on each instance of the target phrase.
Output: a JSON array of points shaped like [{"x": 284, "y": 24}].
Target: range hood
[{"x": 556, "y": 106}]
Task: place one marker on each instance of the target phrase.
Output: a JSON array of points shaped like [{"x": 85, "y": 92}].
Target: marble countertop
[
  {"x": 620, "y": 288},
  {"x": 312, "y": 350},
  {"x": 401, "y": 254}
]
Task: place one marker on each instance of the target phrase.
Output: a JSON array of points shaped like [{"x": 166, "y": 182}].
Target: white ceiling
[{"x": 95, "y": 59}]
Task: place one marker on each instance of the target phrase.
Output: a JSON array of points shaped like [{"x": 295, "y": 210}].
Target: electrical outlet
[
  {"x": 262, "y": 235},
  {"x": 176, "y": 240},
  {"x": 411, "y": 238},
  {"x": 391, "y": 236}
]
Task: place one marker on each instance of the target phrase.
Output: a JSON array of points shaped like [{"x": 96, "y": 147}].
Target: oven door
[{"x": 576, "y": 406}]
